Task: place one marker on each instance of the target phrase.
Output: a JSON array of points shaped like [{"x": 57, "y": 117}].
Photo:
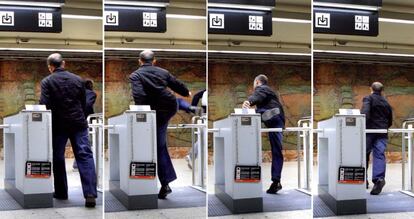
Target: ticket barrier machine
[
  {"x": 342, "y": 163},
  {"x": 95, "y": 123},
  {"x": 28, "y": 157},
  {"x": 133, "y": 158},
  {"x": 238, "y": 160}
]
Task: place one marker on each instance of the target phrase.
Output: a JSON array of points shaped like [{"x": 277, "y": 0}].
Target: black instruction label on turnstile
[
  {"x": 141, "y": 117},
  {"x": 246, "y": 121},
  {"x": 247, "y": 174},
  {"x": 36, "y": 117},
  {"x": 142, "y": 170},
  {"x": 38, "y": 169},
  {"x": 351, "y": 175}
]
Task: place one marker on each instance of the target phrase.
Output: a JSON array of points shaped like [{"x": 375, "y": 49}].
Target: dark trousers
[
  {"x": 166, "y": 172},
  {"x": 276, "y": 139},
  {"x": 84, "y": 158},
  {"x": 377, "y": 143}
]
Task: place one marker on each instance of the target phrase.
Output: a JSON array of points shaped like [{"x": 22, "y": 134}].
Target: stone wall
[
  {"x": 344, "y": 86},
  {"x": 20, "y": 83}
]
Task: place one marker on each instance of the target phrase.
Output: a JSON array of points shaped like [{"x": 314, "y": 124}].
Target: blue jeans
[
  {"x": 377, "y": 145},
  {"x": 84, "y": 158},
  {"x": 276, "y": 139},
  {"x": 183, "y": 105},
  {"x": 166, "y": 172}
]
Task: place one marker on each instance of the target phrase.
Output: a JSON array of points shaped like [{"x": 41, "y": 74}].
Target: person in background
[{"x": 90, "y": 102}]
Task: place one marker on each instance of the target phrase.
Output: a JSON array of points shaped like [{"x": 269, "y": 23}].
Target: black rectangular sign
[
  {"x": 354, "y": 2},
  {"x": 247, "y": 174},
  {"x": 30, "y": 19},
  {"x": 345, "y": 21},
  {"x": 142, "y": 170},
  {"x": 270, "y": 3},
  {"x": 239, "y": 22},
  {"x": 135, "y": 19},
  {"x": 38, "y": 169},
  {"x": 150, "y": 1},
  {"x": 351, "y": 175}
]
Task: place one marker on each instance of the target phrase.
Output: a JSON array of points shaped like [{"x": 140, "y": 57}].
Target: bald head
[
  {"x": 147, "y": 56},
  {"x": 55, "y": 60},
  {"x": 377, "y": 87}
]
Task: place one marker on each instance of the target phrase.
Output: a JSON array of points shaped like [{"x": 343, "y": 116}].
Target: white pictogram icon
[
  {"x": 217, "y": 21},
  {"x": 255, "y": 22},
  {"x": 361, "y": 22},
  {"x": 323, "y": 20},
  {"x": 45, "y": 19},
  {"x": 149, "y": 19},
  {"x": 7, "y": 18},
  {"x": 111, "y": 18}
]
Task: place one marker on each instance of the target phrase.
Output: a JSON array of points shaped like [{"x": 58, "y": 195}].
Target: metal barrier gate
[
  {"x": 198, "y": 149},
  {"x": 95, "y": 123},
  {"x": 304, "y": 142}
]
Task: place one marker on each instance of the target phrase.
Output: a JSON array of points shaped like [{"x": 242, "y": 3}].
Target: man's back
[
  {"x": 64, "y": 94},
  {"x": 378, "y": 112},
  {"x": 265, "y": 98},
  {"x": 150, "y": 87}
]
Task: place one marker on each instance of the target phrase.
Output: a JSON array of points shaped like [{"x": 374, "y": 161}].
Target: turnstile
[
  {"x": 342, "y": 163},
  {"x": 95, "y": 123},
  {"x": 28, "y": 156},
  {"x": 237, "y": 161},
  {"x": 133, "y": 158}
]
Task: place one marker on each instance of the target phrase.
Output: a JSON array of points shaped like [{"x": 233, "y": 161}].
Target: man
[
  {"x": 90, "y": 101},
  {"x": 64, "y": 94},
  {"x": 378, "y": 115},
  {"x": 269, "y": 106},
  {"x": 150, "y": 87}
]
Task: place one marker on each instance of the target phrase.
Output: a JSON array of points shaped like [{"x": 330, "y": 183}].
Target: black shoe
[
  {"x": 274, "y": 188},
  {"x": 90, "y": 201},
  {"x": 60, "y": 197},
  {"x": 164, "y": 191},
  {"x": 379, "y": 184}
]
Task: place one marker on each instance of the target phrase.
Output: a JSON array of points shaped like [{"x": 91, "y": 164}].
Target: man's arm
[
  {"x": 257, "y": 97},
  {"x": 177, "y": 86},
  {"x": 138, "y": 92},
  {"x": 45, "y": 94},
  {"x": 366, "y": 107},
  {"x": 390, "y": 118},
  {"x": 83, "y": 97}
]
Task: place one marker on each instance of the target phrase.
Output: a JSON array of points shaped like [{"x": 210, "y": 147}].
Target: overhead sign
[
  {"x": 239, "y": 22},
  {"x": 354, "y": 2},
  {"x": 135, "y": 19},
  {"x": 346, "y": 22},
  {"x": 30, "y": 19},
  {"x": 270, "y": 3}
]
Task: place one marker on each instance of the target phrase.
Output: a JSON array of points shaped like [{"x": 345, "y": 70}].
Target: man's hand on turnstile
[{"x": 246, "y": 104}]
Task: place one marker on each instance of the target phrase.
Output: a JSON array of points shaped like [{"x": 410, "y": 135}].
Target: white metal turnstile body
[
  {"x": 28, "y": 157},
  {"x": 342, "y": 163},
  {"x": 132, "y": 156},
  {"x": 237, "y": 153}
]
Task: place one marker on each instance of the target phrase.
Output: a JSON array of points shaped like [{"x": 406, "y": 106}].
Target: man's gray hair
[
  {"x": 377, "y": 87},
  {"x": 262, "y": 78}
]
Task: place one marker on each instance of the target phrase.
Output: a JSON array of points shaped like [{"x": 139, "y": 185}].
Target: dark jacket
[
  {"x": 64, "y": 94},
  {"x": 150, "y": 87},
  {"x": 265, "y": 98},
  {"x": 378, "y": 112},
  {"x": 90, "y": 101}
]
